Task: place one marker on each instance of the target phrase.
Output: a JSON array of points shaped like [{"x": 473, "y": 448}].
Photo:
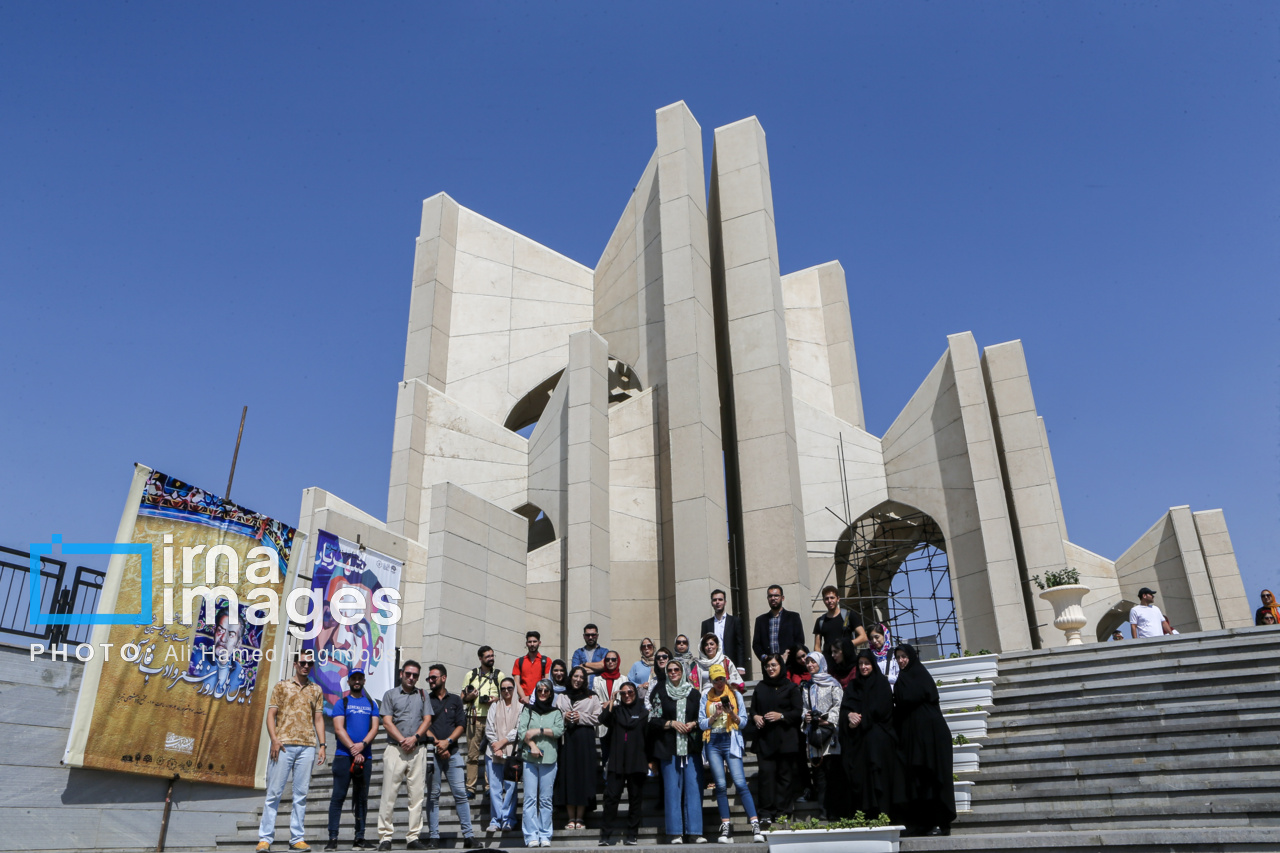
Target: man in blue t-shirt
[{"x": 355, "y": 723}]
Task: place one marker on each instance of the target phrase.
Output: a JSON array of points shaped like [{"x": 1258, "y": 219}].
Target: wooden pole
[
  {"x": 236, "y": 455},
  {"x": 164, "y": 823}
]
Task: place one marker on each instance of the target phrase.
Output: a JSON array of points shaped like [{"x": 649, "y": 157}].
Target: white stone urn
[{"x": 1068, "y": 615}]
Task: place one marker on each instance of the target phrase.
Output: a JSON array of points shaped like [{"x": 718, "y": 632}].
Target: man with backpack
[
  {"x": 479, "y": 691},
  {"x": 355, "y": 725},
  {"x": 836, "y": 624},
  {"x": 406, "y": 714},
  {"x": 530, "y": 668}
]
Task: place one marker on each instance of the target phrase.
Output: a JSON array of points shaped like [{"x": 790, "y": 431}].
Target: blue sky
[{"x": 207, "y": 206}]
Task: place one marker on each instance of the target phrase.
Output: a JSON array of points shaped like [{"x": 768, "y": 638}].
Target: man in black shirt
[
  {"x": 448, "y": 718},
  {"x": 836, "y": 624}
]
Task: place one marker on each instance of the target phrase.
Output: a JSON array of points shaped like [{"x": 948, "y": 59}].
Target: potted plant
[
  {"x": 965, "y": 666},
  {"x": 964, "y": 754},
  {"x": 858, "y": 834},
  {"x": 968, "y": 721},
  {"x": 964, "y": 794},
  {"x": 1063, "y": 590},
  {"x": 962, "y": 694}
]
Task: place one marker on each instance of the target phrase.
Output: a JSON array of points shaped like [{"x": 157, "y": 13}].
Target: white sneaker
[
  {"x": 677, "y": 839},
  {"x": 725, "y": 837},
  {"x": 756, "y": 835},
  {"x": 700, "y": 840}
]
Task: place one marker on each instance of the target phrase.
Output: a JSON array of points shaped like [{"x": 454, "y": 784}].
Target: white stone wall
[{"x": 1234, "y": 607}]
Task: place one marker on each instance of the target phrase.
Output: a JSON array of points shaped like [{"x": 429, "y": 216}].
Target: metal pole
[
  {"x": 164, "y": 823},
  {"x": 236, "y": 455}
]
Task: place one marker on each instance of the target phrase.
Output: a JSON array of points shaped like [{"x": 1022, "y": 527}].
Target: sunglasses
[
  {"x": 508, "y": 688},
  {"x": 307, "y": 663},
  {"x": 412, "y": 674},
  {"x": 662, "y": 657}
]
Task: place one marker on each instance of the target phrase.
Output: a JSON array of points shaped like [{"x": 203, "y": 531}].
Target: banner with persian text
[
  {"x": 183, "y": 689},
  {"x": 352, "y": 581}
]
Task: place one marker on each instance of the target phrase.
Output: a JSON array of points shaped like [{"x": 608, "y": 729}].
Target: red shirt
[{"x": 529, "y": 672}]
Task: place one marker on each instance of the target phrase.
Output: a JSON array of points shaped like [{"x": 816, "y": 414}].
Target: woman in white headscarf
[
  {"x": 712, "y": 655},
  {"x": 822, "y": 695}
]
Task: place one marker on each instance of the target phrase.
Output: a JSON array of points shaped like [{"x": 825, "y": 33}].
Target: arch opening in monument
[
  {"x": 541, "y": 530},
  {"x": 525, "y": 414},
  {"x": 891, "y": 567}
]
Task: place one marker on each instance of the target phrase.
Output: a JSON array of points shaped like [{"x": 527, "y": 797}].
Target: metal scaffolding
[{"x": 890, "y": 566}]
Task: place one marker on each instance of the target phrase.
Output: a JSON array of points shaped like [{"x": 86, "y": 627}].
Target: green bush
[
  {"x": 1060, "y": 577},
  {"x": 858, "y": 821}
]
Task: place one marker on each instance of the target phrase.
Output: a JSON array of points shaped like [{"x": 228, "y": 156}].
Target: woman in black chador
[
  {"x": 868, "y": 745},
  {"x": 925, "y": 742},
  {"x": 776, "y": 709}
]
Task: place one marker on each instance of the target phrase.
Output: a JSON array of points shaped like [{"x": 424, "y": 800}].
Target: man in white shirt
[{"x": 1145, "y": 619}]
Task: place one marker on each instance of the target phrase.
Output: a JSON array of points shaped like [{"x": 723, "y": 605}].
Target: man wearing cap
[
  {"x": 1145, "y": 619},
  {"x": 355, "y": 725}
]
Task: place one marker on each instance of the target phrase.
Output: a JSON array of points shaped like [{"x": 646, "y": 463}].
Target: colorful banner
[
  {"x": 362, "y": 573},
  {"x": 186, "y": 693}
]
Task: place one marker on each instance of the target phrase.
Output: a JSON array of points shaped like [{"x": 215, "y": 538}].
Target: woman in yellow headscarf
[{"x": 721, "y": 716}]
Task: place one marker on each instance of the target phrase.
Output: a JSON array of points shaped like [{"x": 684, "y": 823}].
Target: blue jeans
[
  {"x": 539, "y": 788},
  {"x": 682, "y": 796},
  {"x": 297, "y": 760},
  {"x": 717, "y": 756},
  {"x": 456, "y": 770},
  {"x": 502, "y": 794}
]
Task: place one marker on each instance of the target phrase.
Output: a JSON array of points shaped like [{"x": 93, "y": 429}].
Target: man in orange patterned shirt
[{"x": 295, "y": 724}]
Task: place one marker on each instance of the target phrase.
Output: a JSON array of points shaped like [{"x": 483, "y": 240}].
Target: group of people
[{"x": 853, "y": 730}]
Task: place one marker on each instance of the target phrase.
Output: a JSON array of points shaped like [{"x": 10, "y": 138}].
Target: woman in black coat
[
  {"x": 626, "y": 718},
  {"x": 925, "y": 742},
  {"x": 776, "y": 710},
  {"x": 868, "y": 745}
]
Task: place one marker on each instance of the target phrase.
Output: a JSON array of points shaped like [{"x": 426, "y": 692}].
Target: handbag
[
  {"x": 820, "y": 736},
  {"x": 513, "y": 769}
]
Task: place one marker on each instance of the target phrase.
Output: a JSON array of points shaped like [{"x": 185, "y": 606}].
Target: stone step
[
  {"x": 1203, "y": 840},
  {"x": 649, "y": 843},
  {"x": 1205, "y": 713},
  {"x": 1012, "y": 704},
  {"x": 1141, "y": 650},
  {"x": 1139, "y": 749},
  {"x": 1132, "y": 685},
  {"x": 1070, "y": 780},
  {"x": 1195, "y": 806},
  {"x": 1171, "y": 667}
]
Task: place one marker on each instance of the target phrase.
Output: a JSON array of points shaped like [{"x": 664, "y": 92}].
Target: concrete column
[
  {"x": 699, "y": 520},
  {"x": 426, "y": 354},
  {"x": 763, "y": 467},
  {"x": 475, "y": 581},
  {"x": 586, "y": 590}
]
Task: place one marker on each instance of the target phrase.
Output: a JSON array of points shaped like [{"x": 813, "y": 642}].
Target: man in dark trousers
[
  {"x": 778, "y": 631},
  {"x": 355, "y": 725},
  {"x": 727, "y": 628}
]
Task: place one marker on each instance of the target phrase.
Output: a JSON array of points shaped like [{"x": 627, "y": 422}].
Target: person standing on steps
[
  {"x": 1145, "y": 619},
  {"x": 836, "y": 624},
  {"x": 776, "y": 709},
  {"x": 406, "y": 715},
  {"x": 479, "y": 692},
  {"x": 355, "y": 726},
  {"x": 925, "y": 742},
  {"x": 677, "y": 744},
  {"x": 591, "y": 656},
  {"x": 447, "y": 722},
  {"x": 504, "y": 715},
  {"x": 295, "y": 725},
  {"x": 778, "y": 630},
  {"x": 726, "y": 627},
  {"x": 626, "y": 718},
  {"x": 722, "y": 716},
  {"x": 530, "y": 667},
  {"x": 540, "y": 727}
]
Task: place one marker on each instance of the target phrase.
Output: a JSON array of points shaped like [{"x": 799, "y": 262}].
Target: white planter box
[
  {"x": 971, "y": 724},
  {"x": 960, "y": 695},
  {"x": 964, "y": 796},
  {"x": 881, "y": 839},
  {"x": 964, "y": 757},
  {"x": 985, "y": 667}
]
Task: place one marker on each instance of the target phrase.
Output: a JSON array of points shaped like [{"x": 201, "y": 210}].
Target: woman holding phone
[{"x": 722, "y": 716}]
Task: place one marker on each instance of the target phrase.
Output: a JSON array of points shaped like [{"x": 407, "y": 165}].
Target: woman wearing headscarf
[
  {"x": 798, "y": 665},
  {"x": 685, "y": 657},
  {"x": 722, "y": 714},
  {"x": 659, "y": 674},
  {"x": 559, "y": 676},
  {"x": 869, "y": 748},
  {"x": 776, "y": 708},
  {"x": 822, "y": 695},
  {"x": 1268, "y": 606},
  {"x": 500, "y": 732},
  {"x": 881, "y": 644},
  {"x": 578, "y": 757},
  {"x": 843, "y": 664},
  {"x": 541, "y": 725},
  {"x": 606, "y": 687},
  {"x": 925, "y": 741},
  {"x": 626, "y": 718},
  {"x": 642, "y": 670},
  {"x": 713, "y": 655},
  {"x": 676, "y": 745}
]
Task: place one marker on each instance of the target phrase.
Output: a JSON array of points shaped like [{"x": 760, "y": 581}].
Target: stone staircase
[
  {"x": 652, "y": 832},
  {"x": 1168, "y": 744}
]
